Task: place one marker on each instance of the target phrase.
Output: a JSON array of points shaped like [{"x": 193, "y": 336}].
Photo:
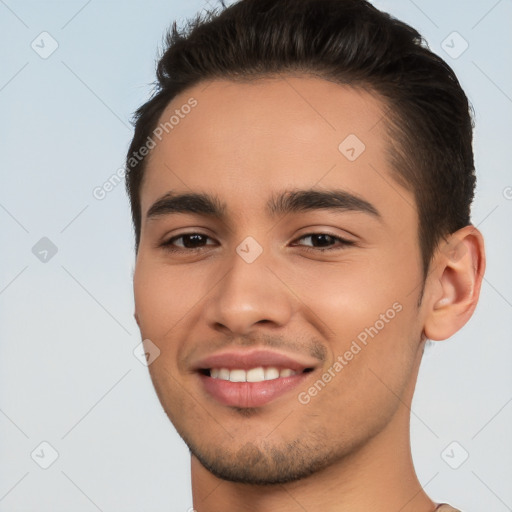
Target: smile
[{"x": 251, "y": 378}]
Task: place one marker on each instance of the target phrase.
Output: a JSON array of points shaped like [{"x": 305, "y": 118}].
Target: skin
[{"x": 348, "y": 449}]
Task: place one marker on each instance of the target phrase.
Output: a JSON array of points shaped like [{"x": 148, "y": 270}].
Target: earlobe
[{"x": 454, "y": 283}]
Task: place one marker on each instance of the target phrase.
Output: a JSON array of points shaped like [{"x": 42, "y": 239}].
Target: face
[{"x": 298, "y": 264}]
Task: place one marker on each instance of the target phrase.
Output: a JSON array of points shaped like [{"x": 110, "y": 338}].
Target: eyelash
[{"x": 167, "y": 245}]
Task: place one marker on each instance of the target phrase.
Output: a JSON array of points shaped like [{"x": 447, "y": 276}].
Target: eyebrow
[{"x": 288, "y": 201}]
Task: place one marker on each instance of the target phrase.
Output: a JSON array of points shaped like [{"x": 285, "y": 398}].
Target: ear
[
  {"x": 454, "y": 282},
  {"x": 136, "y": 318}
]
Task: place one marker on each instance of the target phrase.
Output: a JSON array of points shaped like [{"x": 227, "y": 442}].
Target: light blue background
[{"x": 67, "y": 372}]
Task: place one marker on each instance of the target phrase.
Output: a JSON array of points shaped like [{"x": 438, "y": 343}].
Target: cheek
[
  {"x": 163, "y": 295},
  {"x": 348, "y": 296},
  {"x": 368, "y": 316},
  {"x": 372, "y": 357}
]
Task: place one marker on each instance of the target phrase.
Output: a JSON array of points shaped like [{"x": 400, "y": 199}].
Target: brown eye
[
  {"x": 190, "y": 242},
  {"x": 324, "y": 242}
]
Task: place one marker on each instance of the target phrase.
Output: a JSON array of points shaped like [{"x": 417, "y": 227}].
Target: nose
[{"x": 249, "y": 294}]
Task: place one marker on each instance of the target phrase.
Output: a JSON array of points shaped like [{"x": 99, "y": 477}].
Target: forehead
[{"x": 244, "y": 141}]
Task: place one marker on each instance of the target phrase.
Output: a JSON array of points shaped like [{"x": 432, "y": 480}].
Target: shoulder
[{"x": 443, "y": 507}]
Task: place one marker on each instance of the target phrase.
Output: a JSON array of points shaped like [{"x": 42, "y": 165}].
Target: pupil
[
  {"x": 324, "y": 238},
  {"x": 186, "y": 240}
]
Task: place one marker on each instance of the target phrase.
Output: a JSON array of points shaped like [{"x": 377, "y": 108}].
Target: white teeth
[
  {"x": 271, "y": 373},
  {"x": 255, "y": 374},
  {"x": 258, "y": 374},
  {"x": 237, "y": 375},
  {"x": 223, "y": 374}
]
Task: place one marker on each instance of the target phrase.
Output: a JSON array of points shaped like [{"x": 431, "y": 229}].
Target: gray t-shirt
[{"x": 443, "y": 507}]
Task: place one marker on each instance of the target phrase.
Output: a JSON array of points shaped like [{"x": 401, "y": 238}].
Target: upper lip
[{"x": 247, "y": 359}]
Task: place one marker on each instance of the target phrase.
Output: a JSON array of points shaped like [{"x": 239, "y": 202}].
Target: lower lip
[{"x": 250, "y": 394}]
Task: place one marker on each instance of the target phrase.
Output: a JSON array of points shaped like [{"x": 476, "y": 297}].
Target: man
[{"x": 300, "y": 187}]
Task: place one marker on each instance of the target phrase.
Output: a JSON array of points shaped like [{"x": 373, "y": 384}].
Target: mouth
[{"x": 251, "y": 379}]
